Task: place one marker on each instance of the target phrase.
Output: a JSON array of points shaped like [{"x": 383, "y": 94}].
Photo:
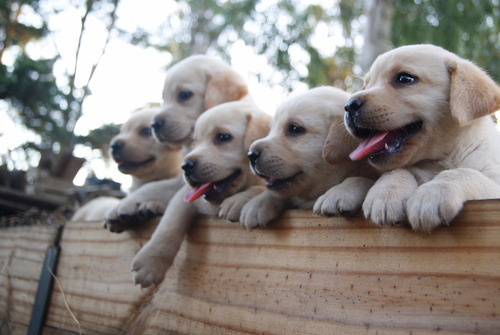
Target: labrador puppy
[
  {"x": 191, "y": 86},
  {"x": 218, "y": 181},
  {"x": 423, "y": 118},
  {"x": 289, "y": 159},
  {"x": 137, "y": 154}
]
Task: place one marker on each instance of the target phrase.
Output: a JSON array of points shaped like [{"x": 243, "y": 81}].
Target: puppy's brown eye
[
  {"x": 295, "y": 129},
  {"x": 404, "y": 78},
  {"x": 184, "y": 96},
  {"x": 145, "y": 132},
  {"x": 222, "y": 138}
]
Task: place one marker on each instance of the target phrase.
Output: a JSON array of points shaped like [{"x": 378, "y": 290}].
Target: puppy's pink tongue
[
  {"x": 370, "y": 145},
  {"x": 195, "y": 193}
]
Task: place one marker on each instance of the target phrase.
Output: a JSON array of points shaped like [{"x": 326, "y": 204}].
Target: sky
[
  {"x": 130, "y": 76},
  {"x": 127, "y": 77}
]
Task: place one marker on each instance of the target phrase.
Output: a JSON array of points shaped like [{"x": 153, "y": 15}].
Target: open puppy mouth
[
  {"x": 209, "y": 190},
  {"x": 378, "y": 142},
  {"x": 124, "y": 165},
  {"x": 276, "y": 184}
]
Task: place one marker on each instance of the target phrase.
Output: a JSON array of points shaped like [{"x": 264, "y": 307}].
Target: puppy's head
[
  {"x": 290, "y": 157},
  {"x": 192, "y": 86},
  {"x": 414, "y": 101},
  {"x": 217, "y": 166},
  {"x": 137, "y": 153}
]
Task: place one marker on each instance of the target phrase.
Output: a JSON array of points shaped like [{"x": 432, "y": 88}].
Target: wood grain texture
[
  {"x": 304, "y": 274},
  {"x": 22, "y": 251}
]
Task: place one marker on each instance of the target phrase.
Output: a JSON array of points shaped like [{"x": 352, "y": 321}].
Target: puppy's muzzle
[
  {"x": 188, "y": 167},
  {"x": 157, "y": 124},
  {"x": 116, "y": 149},
  {"x": 353, "y": 109},
  {"x": 253, "y": 156}
]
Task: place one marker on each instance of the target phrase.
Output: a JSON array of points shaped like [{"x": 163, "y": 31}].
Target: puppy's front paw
[
  {"x": 384, "y": 210},
  {"x": 385, "y": 202},
  {"x": 333, "y": 203},
  {"x": 261, "y": 210},
  {"x": 117, "y": 226},
  {"x": 122, "y": 217},
  {"x": 345, "y": 198},
  {"x": 148, "y": 268},
  {"x": 150, "y": 209},
  {"x": 251, "y": 217},
  {"x": 386, "y": 206},
  {"x": 230, "y": 209},
  {"x": 432, "y": 205}
]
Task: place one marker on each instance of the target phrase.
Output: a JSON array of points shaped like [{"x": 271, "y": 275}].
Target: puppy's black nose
[
  {"x": 352, "y": 110},
  {"x": 116, "y": 147},
  {"x": 253, "y": 155},
  {"x": 353, "y": 106},
  {"x": 188, "y": 166},
  {"x": 157, "y": 123}
]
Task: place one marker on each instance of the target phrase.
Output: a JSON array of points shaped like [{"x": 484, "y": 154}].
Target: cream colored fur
[
  {"x": 289, "y": 158},
  {"x": 191, "y": 86},
  {"x": 139, "y": 155},
  {"x": 222, "y": 136},
  {"x": 455, "y": 157}
]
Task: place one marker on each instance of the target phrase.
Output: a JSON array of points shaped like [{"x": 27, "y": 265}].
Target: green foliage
[
  {"x": 197, "y": 26},
  {"x": 13, "y": 32},
  {"x": 99, "y": 138},
  {"x": 31, "y": 89},
  {"x": 271, "y": 29},
  {"x": 283, "y": 31},
  {"x": 469, "y": 28},
  {"x": 29, "y": 86}
]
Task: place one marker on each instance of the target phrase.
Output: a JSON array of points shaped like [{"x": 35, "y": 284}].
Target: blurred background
[{"x": 71, "y": 71}]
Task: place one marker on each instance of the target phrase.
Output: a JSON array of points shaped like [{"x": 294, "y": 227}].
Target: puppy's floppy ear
[
  {"x": 224, "y": 86},
  {"x": 473, "y": 93},
  {"x": 258, "y": 127},
  {"x": 339, "y": 143}
]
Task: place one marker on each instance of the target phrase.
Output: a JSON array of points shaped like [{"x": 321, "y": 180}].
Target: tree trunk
[{"x": 377, "y": 35}]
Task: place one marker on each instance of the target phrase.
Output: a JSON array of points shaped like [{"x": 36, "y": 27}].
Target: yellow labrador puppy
[
  {"x": 423, "y": 117},
  {"x": 290, "y": 160},
  {"x": 137, "y": 154},
  {"x": 218, "y": 181},
  {"x": 191, "y": 86}
]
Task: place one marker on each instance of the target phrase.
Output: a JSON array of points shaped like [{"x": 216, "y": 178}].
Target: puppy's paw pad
[
  {"x": 147, "y": 271},
  {"x": 385, "y": 211},
  {"x": 230, "y": 210},
  {"x": 150, "y": 209},
  {"x": 431, "y": 207},
  {"x": 116, "y": 227}
]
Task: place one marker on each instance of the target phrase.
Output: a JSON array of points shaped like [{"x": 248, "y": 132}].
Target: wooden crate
[
  {"x": 22, "y": 252},
  {"x": 303, "y": 275}
]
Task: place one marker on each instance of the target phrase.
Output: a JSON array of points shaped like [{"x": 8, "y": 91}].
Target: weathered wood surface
[
  {"x": 22, "y": 251},
  {"x": 303, "y": 275}
]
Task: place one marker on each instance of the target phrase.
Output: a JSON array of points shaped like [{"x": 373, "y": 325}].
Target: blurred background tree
[
  {"x": 470, "y": 28},
  {"x": 304, "y": 43},
  {"x": 48, "y": 106}
]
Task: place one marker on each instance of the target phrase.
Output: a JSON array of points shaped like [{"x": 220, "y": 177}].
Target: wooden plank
[
  {"x": 12, "y": 200},
  {"x": 312, "y": 275},
  {"x": 94, "y": 271},
  {"x": 302, "y": 275},
  {"x": 22, "y": 251}
]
